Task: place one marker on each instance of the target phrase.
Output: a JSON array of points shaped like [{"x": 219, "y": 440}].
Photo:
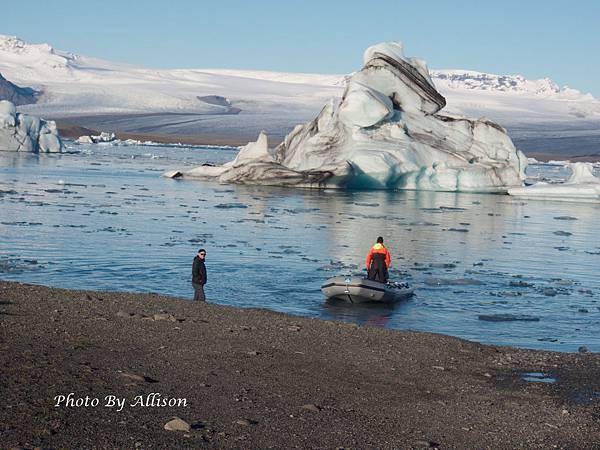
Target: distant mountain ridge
[
  {"x": 74, "y": 85},
  {"x": 44, "y": 52},
  {"x": 468, "y": 79}
]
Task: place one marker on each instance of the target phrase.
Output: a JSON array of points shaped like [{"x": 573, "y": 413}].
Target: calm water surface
[{"x": 488, "y": 268}]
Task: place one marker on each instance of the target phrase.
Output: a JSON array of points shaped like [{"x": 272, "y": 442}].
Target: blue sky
[{"x": 556, "y": 39}]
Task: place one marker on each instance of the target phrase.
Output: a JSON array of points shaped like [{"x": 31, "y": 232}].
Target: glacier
[
  {"x": 582, "y": 185},
  {"x": 230, "y": 106},
  {"x": 25, "y": 133},
  {"x": 384, "y": 133}
]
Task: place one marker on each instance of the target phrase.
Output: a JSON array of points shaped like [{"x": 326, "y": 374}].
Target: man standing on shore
[{"x": 199, "y": 275}]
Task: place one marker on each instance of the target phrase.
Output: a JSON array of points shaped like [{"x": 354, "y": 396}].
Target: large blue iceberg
[
  {"x": 25, "y": 133},
  {"x": 385, "y": 132}
]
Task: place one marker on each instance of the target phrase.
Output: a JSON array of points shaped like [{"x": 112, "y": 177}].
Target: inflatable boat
[{"x": 361, "y": 290}]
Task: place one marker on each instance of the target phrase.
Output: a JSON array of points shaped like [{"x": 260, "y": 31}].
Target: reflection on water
[{"x": 488, "y": 268}]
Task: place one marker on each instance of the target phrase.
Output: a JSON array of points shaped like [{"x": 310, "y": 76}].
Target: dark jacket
[
  {"x": 378, "y": 270},
  {"x": 198, "y": 271}
]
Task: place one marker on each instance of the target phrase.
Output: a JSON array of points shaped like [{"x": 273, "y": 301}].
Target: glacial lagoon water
[{"x": 488, "y": 268}]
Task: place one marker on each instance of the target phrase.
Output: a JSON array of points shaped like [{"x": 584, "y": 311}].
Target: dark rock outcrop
[{"x": 17, "y": 95}]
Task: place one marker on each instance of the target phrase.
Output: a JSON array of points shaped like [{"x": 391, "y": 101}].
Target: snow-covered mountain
[
  {"x": 515, "y": 84},
  {"x": 74, "y": 85}
]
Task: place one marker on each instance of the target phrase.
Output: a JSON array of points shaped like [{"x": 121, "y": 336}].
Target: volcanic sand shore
[{"x": 258, "y": 379}]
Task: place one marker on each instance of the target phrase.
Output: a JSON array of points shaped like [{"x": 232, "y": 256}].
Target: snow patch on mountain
[
  {"x": 80, "y": 85},
  {"x": 514, "y": 84}
]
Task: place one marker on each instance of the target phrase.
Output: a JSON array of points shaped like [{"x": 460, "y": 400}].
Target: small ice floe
[
  {"x": 565, "y": 218},
  {"x": 442, "y": 265},
  {"x": 582, "y": 185},
  {"x": 103, "y": 137},
  {"x": 366, "y": 204},
  {"x": 15, "y": 223},
  {"x": 422, "y": 223},
  {"x": 231, "y": 205},
  {"x": 547, "y": 339},
  {"x": 300, "y": 210},
  {"x": 336, "y": 265},
  {"x": 432, "y": 281},
  {"x": 507, "y": 318},
  {"x": 562, "y": 233}
]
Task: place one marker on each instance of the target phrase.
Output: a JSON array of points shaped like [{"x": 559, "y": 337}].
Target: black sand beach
[{"x": 259, "y": 379}]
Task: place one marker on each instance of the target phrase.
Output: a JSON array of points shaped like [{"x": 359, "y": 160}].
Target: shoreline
[
  {"x": 70, "y": 128},
  {"x": 73, "y": 131},
  {"x": 254, "y": 378}
]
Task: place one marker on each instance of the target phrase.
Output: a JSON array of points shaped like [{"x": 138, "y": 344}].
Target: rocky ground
[
  {"x": 258, "y": 379},
  {"x": 71, "y": 130}
]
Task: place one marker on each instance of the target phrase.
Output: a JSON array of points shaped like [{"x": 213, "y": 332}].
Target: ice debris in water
[
  {"x": 432, "y": 281},
  {"x": 507, "y": 318},
  {"x": 24, "y": 133},
  {"x": 562, "y": 233},
  {"x": 18, "y": 265},
  {"x": 337, "y": 265},
  {"x": 582, "y": 185},
  {"x": 384, "y": 133},
  {"x": 565, "y": 218},
  {"x": 231, "y": 205}
]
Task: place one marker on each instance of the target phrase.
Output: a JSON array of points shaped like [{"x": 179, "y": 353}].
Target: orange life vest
[{"x": 380, "y": 249}]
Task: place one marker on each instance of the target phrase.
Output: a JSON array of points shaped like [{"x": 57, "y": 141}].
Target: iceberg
[
  {"x": 384, "y": 133},
  {"x": 103, "y": 137},
  {"x": 25, "y": 133},
  {"x": 582, "y": 185}
]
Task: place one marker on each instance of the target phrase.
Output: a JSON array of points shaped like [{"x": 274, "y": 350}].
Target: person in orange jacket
[{"x": 378, "y": 262}]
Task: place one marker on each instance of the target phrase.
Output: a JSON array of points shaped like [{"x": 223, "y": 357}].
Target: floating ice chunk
[
  {"x": 507, "y": 318},
  {"x": 103, "y": 137},
  {"x": 433, "y": 281},
  {"x": 565, "y": 218},
  {"x": 84, "y": 140},
  {"x": 582, "y": 185},
  {"x": 173, "y": 174},
  {"x": 231, "y": 205},
  {"x": 25, "y": 133},
  {"x": 562, "y": 233},
  {"x": 384, "y": 133},
  {"x": 582, "y": 173}
]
